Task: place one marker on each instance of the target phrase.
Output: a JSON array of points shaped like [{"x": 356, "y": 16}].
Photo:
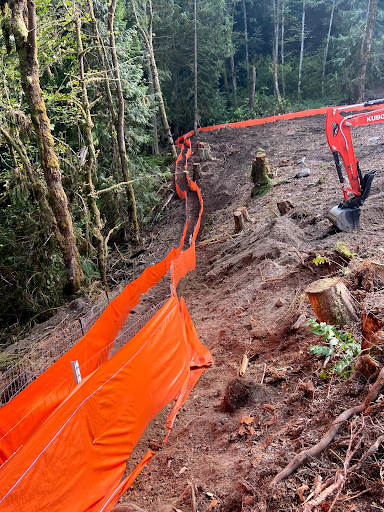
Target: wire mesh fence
[
  {"x": 62, "y": 385},
  {"x": 47, "y": 352}
]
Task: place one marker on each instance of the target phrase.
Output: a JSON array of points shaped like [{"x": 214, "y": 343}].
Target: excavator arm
[{"x": 338, "y": 130}]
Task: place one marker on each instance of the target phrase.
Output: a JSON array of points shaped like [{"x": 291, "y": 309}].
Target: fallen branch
[
  {"x": 110, "y": 232},
  {"x": 305, "y": 455},
  {"x": 373, "y": 448},
  {"x": 224, "y": 238},
  {"x": 193, "y": 496},
  {"x": 324, "y": 494},
  {"x": 282, "y": 277},
  {"x": 368, "y": 453}
]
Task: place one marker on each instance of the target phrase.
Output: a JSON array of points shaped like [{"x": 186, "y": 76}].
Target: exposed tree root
[{"x": 303, "y": 456}]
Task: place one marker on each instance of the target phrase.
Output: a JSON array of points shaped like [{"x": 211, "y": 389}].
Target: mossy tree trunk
[
  {"x": 120, "y": 124},
  {"x": 147, "y": 35},
  {"x": 23, "y": 26},
  {"x": 103, "y": 59},
  {"x": 91, "y": 165}
]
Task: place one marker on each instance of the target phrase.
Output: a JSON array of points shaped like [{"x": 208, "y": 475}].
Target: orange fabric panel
[
  {"x": 109, "y": 502},
  {"x": 200, "y": 359},
  {"x": 79, "y": 454},
  {"x": 182, "y": 265},
  {"x": 37, "y": 401}
]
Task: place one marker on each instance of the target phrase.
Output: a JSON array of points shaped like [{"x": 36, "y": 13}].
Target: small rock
[
  {"x": 303, "y": 174},
  {"x": 373, "y": 139},
  {"x": 299, "y": 322},
  {"x": 279, "y": 303}
]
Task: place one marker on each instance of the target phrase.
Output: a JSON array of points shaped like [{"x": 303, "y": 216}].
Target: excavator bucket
[{"x": 346, "y": 219}]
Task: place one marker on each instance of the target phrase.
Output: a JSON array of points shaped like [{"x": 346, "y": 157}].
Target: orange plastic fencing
[
  {"x": 75, "y": 461},
  {"x": 24, "y": 414},
  {"x": 64, "y": 446}
]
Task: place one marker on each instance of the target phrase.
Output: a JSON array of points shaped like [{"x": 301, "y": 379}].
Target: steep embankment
[{"x": 245, "y": 296}]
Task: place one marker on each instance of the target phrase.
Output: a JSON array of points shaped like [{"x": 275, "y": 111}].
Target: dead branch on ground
[
  {"x": 339, "y": 479},
  {"x": 305, "y": 455}
]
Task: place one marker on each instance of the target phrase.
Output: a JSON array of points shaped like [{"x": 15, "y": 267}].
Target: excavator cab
[{"x": 346, "y": 215}]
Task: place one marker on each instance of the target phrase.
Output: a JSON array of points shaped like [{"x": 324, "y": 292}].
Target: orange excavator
[{"x": 346, "y": 216}]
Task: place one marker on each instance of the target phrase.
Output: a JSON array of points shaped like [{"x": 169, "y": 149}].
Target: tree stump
[
  {"x": 204, "y": 151},
  {"x": 284, "y": 206},
  {"x": 239, "y": 221},
  {"x": 331, "y": 301},
  {"x": 245, "y": 214},
  {"x": 196, "y": 172},
  {"x": 259, "y": 175}
]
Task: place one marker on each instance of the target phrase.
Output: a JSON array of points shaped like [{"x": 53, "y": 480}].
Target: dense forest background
[{"x": 92, "y": 94}]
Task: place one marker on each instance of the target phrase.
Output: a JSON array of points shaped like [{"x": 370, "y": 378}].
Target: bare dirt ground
[{"x": 234, "y": 435}]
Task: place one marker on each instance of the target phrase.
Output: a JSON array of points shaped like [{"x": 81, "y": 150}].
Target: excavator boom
[{"x": 346, "y": 216}]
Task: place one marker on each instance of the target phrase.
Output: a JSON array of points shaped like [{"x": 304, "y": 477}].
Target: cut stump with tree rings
[{"x": 332, "y": 302}]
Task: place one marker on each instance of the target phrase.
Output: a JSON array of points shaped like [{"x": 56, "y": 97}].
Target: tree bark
[
  {"x": 366, "y": 46},
  {"x": 246, "y": 40},
  {"x": 326, "y": 47},
  {"x": 225, "y": 80},
  {"x": 282, "y": 46},
  {"x": 259, "y": 175},
  {"x": 103, "y": 57},
  {"x": 275, "y": 53},
  {"x": 103, "y": 61},
  {"x": 234, "y": 81},
  {"x": 147, "y": 37},
  {"x": 301, "y": 53},
  {"x": 155, "y": 147},
  {"x": 120, "y": 125},
  {"x": 331, "y": 301},
  {"x": 24, "y": 31},
  {"x": 37, "y": 186},
  {"x": 253, "y": 88},
  {"x": 91, "y": 165}
]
